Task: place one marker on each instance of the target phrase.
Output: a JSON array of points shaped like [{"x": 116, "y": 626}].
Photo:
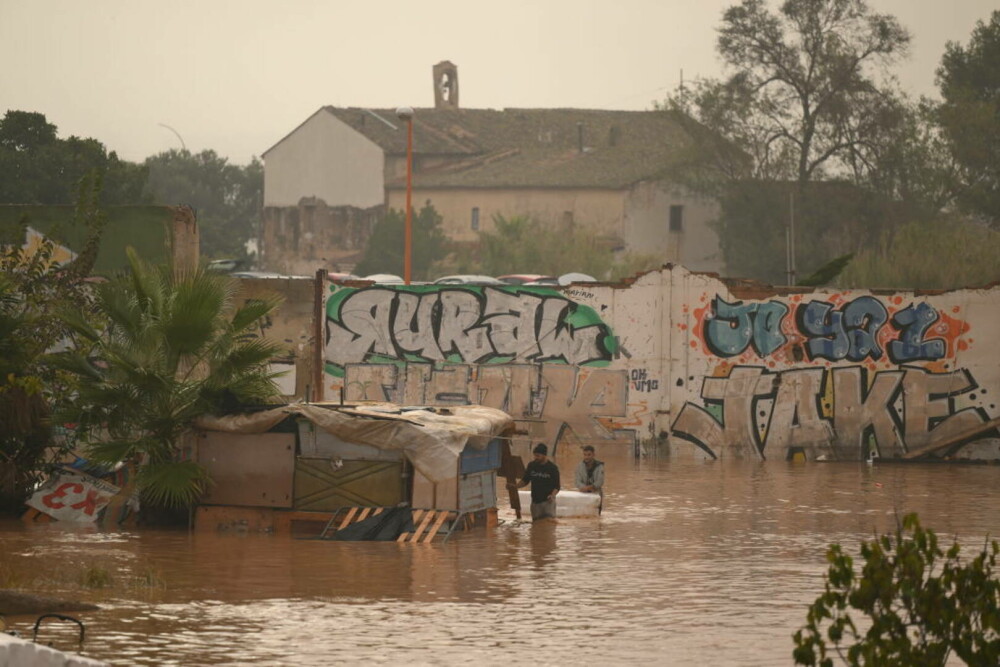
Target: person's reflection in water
[{"x": 543, "y": 543}]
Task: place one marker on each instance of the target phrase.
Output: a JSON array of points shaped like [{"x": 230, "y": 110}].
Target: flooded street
[{"x": 692, "y": 562}]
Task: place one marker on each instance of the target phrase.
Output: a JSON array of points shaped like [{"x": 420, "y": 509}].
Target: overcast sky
[{"x": 236, "y": 76}]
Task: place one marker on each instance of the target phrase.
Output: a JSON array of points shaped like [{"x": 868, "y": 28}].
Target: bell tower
[{"x": 445, "y": 85}]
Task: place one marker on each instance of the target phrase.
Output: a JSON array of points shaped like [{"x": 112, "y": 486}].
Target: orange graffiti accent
[
  {"x": 939, "y": 366},
  {"x": 722, "y": 370},
  {"x": 949, "y": 328},
  {"x": 700, "y": 314},
  {"x": 963, "y": 345},
  {"x": 955, "y": 309},
  {"x": 897, "y": 300},
  {"x": 837, "y": 299},
  {"x": 641, "y": 410},
  {"x": 682, "y": 327}
]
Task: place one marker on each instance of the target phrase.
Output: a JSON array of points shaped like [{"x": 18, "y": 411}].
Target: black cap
[{"x": 540, "y": 448}]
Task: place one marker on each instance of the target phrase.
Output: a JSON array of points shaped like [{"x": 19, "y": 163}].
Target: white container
[{"x": 568, "y": 503}]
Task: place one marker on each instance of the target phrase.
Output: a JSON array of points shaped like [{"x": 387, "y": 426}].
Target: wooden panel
[
  {"x": 253, "y": 470},
  {"x": 314, "y": 442},
  {"x": 477, "y": 491},
  {"x": 320, "y": 486},
  {"x": 443, "y": 495}
]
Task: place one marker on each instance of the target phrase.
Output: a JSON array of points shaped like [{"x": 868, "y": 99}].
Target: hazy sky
[{"x": 236, "y": 76}]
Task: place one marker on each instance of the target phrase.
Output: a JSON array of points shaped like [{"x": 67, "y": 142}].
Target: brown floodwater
[{"x": 711, "y": 563}]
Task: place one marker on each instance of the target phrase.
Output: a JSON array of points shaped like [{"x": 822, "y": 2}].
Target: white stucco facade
[{"x": 327, "y": 159}]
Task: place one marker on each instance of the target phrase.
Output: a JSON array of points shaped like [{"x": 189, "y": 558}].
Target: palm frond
[{"x": 172, "y": 483}]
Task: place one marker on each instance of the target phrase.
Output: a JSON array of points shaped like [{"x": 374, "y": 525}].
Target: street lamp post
[{"x": 406, "y": 114}]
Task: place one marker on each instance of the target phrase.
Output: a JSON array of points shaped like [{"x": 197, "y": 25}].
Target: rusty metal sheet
[
  {"x": 320, "y": 485},
  {"x": 248, "y": 470}
]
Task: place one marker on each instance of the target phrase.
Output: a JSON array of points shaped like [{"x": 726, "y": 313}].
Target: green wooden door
[{"x": 321, "y": 487}]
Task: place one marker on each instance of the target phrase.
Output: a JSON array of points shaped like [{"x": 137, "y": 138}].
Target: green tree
[
  {"x": 384, "y": 253},
  {"x": 945, "y": 253},
  {"x": 969, "y": 78},
  {"x": 33, "y": 289},
  {"x": 832, "y": 218},
  {"x": 226, "y": 197},
  {"x": 171, "y": 346},
  {"x": 521, "y": 244},
  {"x": 904, "y": 156},
  {"x": 36, "y": 167},
  {"x": 920, "y": 604},
  {"x": 800, "y": 77}
]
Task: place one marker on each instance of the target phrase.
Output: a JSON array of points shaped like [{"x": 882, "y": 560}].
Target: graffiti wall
[{"x": 683, "y": 364}]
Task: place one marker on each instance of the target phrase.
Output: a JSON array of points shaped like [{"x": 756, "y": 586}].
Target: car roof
[
  {"x": 517, "y": 278},
  {"x": 466, "y": 279},
  {"x": 385, "y": 278}
]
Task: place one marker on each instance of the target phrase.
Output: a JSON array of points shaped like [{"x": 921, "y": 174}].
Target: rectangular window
[
  {"x": 676, "y": 218},
  {"x": 475, "y": 218}
]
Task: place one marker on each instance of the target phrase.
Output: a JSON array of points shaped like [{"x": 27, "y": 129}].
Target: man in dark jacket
[{"x": 543, "y": 475}]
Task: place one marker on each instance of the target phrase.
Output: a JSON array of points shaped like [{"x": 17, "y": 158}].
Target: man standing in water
[
  {"x": 590, "y": 475},
  {"x": 543, "y": 475}
]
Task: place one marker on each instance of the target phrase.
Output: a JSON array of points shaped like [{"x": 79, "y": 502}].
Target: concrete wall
[
  {"x": 291, "y": 325},
  {"x": 600, "y": 211},
  {"x": 639, "y": 216},
  {"x": 158, "y": 233},
  {"x": 324, "y": 158},
  {"x": 299, "y": 240},
  {"x": 647, "y": 227},
  {"x": 682, "y": 363}
]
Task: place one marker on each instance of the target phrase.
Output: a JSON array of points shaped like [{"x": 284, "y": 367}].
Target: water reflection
[{"x": 690, "y": 562}]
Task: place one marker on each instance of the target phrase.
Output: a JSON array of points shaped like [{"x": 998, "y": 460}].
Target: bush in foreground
[{"x": 920, "y": 604}]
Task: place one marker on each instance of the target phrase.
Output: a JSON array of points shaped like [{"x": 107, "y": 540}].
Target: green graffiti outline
[{"x": 579, "y": 316}]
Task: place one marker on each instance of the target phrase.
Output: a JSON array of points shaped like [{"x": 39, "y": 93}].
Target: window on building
[
  {"x": 475, "y": 218},
  {"x": 676, "y": 218}
]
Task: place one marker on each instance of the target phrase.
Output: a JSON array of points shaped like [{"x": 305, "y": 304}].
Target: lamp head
[{"x": 404, "y": 113}]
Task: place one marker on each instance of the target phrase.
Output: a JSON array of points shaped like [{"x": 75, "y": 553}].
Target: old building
[{"x": 604, "y": 171}]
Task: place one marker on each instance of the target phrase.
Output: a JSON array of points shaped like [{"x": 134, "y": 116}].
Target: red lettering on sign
[
  {"x": 67, "y": 487},
  {"x": 88, "y": 504}
]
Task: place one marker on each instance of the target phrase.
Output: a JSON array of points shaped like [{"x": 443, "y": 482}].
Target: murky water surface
[{"x": 691, "y": 563}]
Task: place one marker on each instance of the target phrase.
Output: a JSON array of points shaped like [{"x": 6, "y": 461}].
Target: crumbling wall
[{"x": 301, "y": 239}]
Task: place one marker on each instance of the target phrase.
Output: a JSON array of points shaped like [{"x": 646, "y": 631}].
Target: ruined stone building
[{"x": 329, "y": 179}]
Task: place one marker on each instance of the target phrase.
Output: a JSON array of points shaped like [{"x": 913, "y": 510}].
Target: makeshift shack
[{"x": 299, "y": 467}]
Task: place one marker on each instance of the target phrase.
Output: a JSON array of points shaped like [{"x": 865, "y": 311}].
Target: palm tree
[
  {"x": 171, "y": 346},
  {"x": 24, "y": 412}
]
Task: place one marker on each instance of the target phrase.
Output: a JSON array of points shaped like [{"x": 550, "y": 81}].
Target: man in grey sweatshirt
[{"x": 590, "y": 475}]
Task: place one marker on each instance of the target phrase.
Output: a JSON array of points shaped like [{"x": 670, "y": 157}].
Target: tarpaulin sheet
[{"x": 432, "y": 439}]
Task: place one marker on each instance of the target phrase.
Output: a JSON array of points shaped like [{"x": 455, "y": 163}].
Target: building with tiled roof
[{"x": 597, "y": 169}]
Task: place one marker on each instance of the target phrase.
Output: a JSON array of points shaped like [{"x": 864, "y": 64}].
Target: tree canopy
[
  {"x": 37, "y": 167},
  {"x": 226, "y": 197},
  {"x": 969, "y": 78},
  {"x": 384, "y": 253},
  {"x": 802, "y": 83}
]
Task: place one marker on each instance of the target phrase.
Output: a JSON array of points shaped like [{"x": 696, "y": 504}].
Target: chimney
[{"x": 445, "y": 85}]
